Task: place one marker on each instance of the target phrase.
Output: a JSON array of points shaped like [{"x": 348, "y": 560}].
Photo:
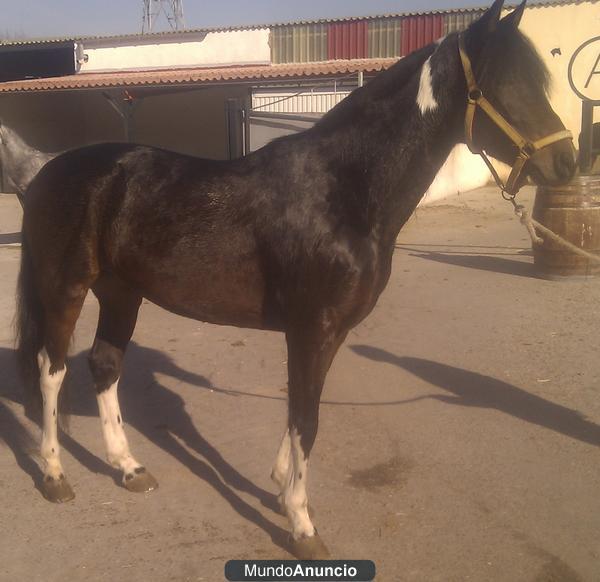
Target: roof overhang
[{"x": 199, "y": 76}]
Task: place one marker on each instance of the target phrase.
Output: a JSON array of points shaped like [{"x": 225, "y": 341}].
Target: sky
[{"x": 55, "y": 18}]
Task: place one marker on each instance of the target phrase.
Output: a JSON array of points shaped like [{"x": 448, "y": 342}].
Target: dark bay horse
[{"x": 297, "y": 237}]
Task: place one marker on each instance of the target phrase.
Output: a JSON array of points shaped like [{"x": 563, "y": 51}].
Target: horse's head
[{"x": 513, "y": 79}]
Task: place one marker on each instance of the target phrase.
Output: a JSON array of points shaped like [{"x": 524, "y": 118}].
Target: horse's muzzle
[{"x": 554, "y": 165}]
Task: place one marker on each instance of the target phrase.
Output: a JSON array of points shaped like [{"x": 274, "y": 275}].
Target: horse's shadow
[
  {"x": 481, "y": 263},
  {"x": 140, "y": 378},
  {"x": 467, "y": 388},
  {"x": 10, "y": 238}
]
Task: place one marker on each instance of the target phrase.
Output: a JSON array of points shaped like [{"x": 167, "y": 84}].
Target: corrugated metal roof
[
  {"x": 457, "y": 22},
  {"x": 419, "y": 31},
  {"x": 384, "y": 37},
  {"x": 196, "y": 75},
  {"x": 299, "y": 44},
  {"x": 348, "y": 40},
  {"x": 175, "y": 34}
]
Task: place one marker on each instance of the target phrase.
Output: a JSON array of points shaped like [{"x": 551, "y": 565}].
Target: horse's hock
[{"x": 572, "y": 211}]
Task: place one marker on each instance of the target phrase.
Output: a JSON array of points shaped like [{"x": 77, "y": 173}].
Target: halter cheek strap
[{"x": 526, "y": 148}]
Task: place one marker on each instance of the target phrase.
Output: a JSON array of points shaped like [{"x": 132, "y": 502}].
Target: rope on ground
[{"x": 532, "y": 225}]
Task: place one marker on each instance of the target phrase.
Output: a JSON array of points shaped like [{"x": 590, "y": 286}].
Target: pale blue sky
[{"x": 52, "y": 18}]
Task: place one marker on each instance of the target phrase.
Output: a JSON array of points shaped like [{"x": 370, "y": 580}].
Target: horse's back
[{"x": 175, "y": 228}]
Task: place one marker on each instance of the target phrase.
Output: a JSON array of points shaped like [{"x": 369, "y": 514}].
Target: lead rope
[
  {"x": 531, "y": 224},
  {"x": 528, "y": 223}
]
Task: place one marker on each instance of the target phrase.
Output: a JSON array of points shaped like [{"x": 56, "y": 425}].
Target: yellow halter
[{"x": 526, "y": 148}]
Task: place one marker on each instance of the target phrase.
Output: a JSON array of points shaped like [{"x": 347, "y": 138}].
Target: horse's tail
[{"x": 29, "y": 332}]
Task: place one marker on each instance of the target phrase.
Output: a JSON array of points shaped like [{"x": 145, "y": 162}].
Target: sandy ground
[{"x": 459, "y": 431}]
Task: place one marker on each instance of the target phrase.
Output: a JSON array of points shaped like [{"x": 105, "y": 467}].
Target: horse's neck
[
  {"x": 400, "y": 181},
  {"x": 389, "y": 163}
]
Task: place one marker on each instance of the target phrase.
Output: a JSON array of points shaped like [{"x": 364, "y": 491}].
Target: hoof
[
  {"x": 57, "y": 490},
  {"x": 140, "y": 481},
  {"x": 311, "y": 548}
]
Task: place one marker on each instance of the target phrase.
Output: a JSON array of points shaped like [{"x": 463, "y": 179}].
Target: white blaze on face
[
  {"x": 50, "y": 386},
  {"x": 117, "y": 447},
  {"x": 294, "y": 496},
  {"x": 425, "y": 98}
]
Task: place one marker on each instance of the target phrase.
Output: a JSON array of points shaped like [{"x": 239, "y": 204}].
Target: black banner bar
[{"x": 303, "y": 571}]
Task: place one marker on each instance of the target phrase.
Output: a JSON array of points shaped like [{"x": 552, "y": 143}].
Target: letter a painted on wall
[
  {"x": 584, "y": 70},
  {"x": 594, "y": 71}
]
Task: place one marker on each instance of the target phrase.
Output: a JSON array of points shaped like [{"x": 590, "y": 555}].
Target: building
[{"x": 221, "y": 92}]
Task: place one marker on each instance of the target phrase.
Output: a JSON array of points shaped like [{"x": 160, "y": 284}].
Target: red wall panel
[
  {"x": 419, "y": 31},
  {"x": 347, "y": 40}
]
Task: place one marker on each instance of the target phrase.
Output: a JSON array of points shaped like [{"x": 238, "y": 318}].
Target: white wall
[{"x": 206, "y": 49}]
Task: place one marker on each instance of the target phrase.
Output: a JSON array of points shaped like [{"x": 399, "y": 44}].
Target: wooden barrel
[{"x": 573, "y": 212}]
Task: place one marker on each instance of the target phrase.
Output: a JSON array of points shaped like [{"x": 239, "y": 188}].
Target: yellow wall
[{"x": 564, "y": 27}]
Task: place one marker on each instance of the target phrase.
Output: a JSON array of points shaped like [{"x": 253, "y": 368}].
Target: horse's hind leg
[
  {"x": 118, "y": 314},
  {"x": 59, "y": 325}
]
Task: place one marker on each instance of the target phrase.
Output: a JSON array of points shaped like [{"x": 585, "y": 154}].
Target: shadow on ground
[
  {"x": 8, "y": 238},
  {"x": 159, "y": 414},
  {"x": 156, "y": 412},
  {"x": 481, "y": 263},
  {"x": 472, "y": 389}
]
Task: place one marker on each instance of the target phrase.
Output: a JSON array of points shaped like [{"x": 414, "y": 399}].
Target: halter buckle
[
  {"x": 528, "y": 149},
  {"x": 475, "y": 95}
]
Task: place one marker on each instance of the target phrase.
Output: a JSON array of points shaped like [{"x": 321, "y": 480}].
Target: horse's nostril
[{"x": 564, "y": 165}]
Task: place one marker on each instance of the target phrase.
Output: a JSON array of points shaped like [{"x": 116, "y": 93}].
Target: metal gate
[{"x": 271, "y": 113}]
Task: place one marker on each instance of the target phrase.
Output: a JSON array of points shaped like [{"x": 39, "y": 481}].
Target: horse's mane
[{"x": 384, "y": 84}]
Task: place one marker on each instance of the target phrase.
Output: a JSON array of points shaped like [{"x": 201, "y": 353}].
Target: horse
[
  {"x": 20, "y": 161},
  {"x": 296, "y": 237}
]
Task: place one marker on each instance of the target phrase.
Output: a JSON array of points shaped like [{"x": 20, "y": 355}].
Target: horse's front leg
[{"x": 311, "y": 348}]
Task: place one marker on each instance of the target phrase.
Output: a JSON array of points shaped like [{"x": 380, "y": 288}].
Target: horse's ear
[
  {"x": 514, "y": 18},
  {"x": 489, "y": 21},
  {"x": 482, "y": 28}
]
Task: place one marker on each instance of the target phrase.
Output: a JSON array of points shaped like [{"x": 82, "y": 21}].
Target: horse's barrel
[{"x": 572, "y": 211}]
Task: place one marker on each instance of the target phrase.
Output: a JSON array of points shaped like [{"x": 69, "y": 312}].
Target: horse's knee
[{"x": 105, "y": 364}]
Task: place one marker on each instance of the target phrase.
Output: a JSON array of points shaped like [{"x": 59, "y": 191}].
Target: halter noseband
[{"x": 526, "y": 148}]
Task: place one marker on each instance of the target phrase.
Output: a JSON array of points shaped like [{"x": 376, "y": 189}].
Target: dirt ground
[{"x": 459, "y": 430}]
